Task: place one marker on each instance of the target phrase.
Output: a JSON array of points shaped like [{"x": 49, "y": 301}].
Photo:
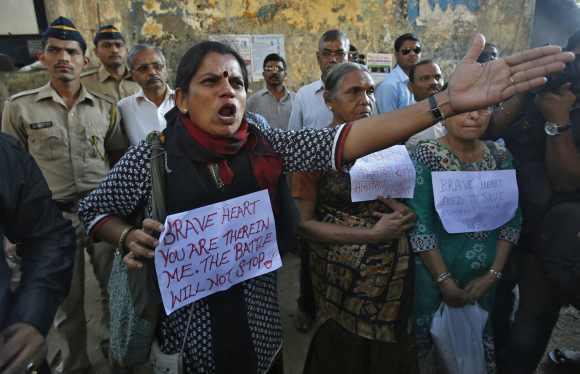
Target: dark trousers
[{"x": 548, "y": 279}]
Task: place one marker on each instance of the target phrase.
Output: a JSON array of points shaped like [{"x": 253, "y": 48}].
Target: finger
[
  {"x": 475, "y": 50},
  {"x": 144, "y": 239},
  {"x": 394, "y": 204},
  {"x": 542, "y": 61},
  {"x": 408, "y": 218},
  {"x": 8, "y": 356},
  {"x": 522, "y": 87},
  {"x": 29, "y": 351},
  {"x": 387, "y": 216},
  {"x": 535, "y": 72},
  {"x": 131, "y": 263},
  {"x": 140, "y": 251},
  {"x": 537, "y": 54},
  {"x": 152, "y": 225},
  {"x": 408, "y": 227}
]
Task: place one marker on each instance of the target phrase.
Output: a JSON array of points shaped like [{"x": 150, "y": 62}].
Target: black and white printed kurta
[{"x": 128, "y": 188}]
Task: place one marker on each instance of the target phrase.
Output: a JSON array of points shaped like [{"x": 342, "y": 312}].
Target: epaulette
[
  {"x": 107, "y": 98},
  {"x": 92, "y": 71},
  {"x": 24, "y": 93}
]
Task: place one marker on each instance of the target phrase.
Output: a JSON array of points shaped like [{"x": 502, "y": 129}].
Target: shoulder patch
[{"x": 24, "y": 93}]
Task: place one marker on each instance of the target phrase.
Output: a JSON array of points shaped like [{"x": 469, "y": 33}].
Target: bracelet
[
  {"x": 497, "y": 274},
  {"x": 442, "y": 277},
  {"x": 435, "y": 110},
  {"x": 123, "y": 238}
]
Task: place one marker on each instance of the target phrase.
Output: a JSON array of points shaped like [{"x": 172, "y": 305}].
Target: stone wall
[{"x": 445, "y": 26}]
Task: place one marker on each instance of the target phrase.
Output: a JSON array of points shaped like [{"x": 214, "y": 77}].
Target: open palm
[{"x": 474, "y": 85}]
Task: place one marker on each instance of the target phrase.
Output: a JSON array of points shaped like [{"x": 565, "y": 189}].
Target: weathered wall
[{"x": 445, "y": 26}]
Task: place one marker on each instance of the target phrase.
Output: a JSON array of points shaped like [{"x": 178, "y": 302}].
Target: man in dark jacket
[{"x": 45, "y": 242}]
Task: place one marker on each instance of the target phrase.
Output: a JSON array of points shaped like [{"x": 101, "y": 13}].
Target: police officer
[
  {"x": 112, "y": 78},
  {"x": 74, "y": 135}
]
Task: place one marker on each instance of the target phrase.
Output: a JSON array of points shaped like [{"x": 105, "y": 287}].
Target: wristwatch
[{"x": 553, "y": 129}]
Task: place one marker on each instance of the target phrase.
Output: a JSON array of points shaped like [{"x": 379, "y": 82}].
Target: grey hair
[
  {"x": 335, "y": 76},
  {"x": 141, "y": 47},
  {"x": 333, "y": 35}
]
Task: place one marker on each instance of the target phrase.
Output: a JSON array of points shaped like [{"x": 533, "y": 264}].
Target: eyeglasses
[
  {"x": 406, "y": 51},
  {"x": 277, "y": 69},
  {"x": 339, "y": 53}
]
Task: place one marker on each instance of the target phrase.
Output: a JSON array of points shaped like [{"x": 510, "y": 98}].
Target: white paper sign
[
  {"x": 212, "y": 248},
  {"x": 471, "y": 201},
  {"x": 388, "y": 173},
  {"x": 262, "y": 46}
]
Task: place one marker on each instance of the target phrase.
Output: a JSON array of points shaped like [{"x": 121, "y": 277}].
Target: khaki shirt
[
  {"x": 100, "y": 81},
  {"x": 72, "y": 146}
]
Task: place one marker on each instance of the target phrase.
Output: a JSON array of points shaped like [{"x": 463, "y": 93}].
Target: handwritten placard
[
  {"x": 471, "y": 201},
  {"x": 212, "y": 248},
  {"x": 388, "y": 173}
]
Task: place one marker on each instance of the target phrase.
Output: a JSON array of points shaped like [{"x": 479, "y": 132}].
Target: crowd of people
[{"x": 77, "y": 162}]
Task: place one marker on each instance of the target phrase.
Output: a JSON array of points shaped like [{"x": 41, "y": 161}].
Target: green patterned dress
[{"x": 467, "y": 255}]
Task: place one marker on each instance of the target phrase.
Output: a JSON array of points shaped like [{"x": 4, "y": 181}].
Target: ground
[{"x": 566, "y": 334}]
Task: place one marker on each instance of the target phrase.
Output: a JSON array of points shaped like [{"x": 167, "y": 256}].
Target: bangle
[
  {"x": 123, "y": 238},
  {"x": 442, "y": 277},
  {"x": 497, "y": 274}
]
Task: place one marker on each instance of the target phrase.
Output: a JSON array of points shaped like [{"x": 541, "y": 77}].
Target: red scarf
[
  {"x": 221, "y": 146},
  {"x": 267, "y": 167}
]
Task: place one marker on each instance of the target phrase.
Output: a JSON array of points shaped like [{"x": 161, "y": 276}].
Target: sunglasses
[{"x": 406, "y": 51}]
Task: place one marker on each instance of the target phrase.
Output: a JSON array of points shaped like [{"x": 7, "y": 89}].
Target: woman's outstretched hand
[{"x": 474, "y": 85}]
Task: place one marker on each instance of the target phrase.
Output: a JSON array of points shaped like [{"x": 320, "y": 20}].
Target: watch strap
[{"x": 435, "y": 109}]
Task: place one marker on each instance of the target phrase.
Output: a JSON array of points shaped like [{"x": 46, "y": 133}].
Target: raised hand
[{"x": 474, "y": 85}]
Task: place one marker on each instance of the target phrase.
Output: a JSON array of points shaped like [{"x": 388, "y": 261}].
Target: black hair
[
  {"x": 414, "y": 67},
  {"x": 403, "y": 38},
  {"x": 274, "y": 57},
  {"x": 332, "y": 35},
  {"x": 193, "y": 58}
]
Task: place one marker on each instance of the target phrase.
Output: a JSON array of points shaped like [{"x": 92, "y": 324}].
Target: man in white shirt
[
  {"x": 407, "y": 54},
  {"x": 425, "y": 79},
  {"x": 144, "y": 111},
  {"x": 309, "y": 109}
]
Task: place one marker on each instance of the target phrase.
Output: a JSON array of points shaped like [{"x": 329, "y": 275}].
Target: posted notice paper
[
  {"x": 388, "y": 173},
  {"x": 212, "y": 248},
  {"x": 471, "y": 201}
]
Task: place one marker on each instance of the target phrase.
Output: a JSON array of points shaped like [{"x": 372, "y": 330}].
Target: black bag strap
[{"x": 158, "y": 176}]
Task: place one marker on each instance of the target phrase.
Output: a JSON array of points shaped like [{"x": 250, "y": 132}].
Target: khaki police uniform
[
  {"x": 71, "y": 148},
  {"x": 101, "y": 81}
]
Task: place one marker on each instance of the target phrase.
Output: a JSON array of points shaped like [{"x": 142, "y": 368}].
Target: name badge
[{"x": 40, "y": 125}]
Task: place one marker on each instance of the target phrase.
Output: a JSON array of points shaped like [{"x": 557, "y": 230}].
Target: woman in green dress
[{"x": 456, "y": 269}]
